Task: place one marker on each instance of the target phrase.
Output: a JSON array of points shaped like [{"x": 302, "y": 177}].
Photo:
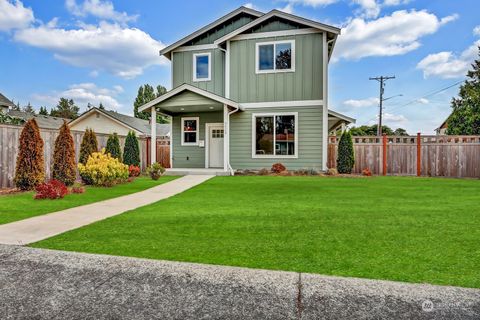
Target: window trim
[
  {"x": 274, "y": 70},
  {"x": 199, "y": 54},
  {"x": 273, "y": 156},
  {"x": 196, "y": 131}
]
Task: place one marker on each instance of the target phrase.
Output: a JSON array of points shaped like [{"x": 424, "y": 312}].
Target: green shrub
[
  {"x": 155, "y": 171},
  {"x": 346, "y": 156},
  {"x": 102, "y": 169},
  {"x": 131, "y": 151},
  {"x": 113, "y": 147},
  {"x": 64, "y": 168},
  {"x": 89, "y": 145}
]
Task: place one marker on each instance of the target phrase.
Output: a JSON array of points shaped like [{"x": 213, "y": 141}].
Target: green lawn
[
  {"x": 397, "y": 228},
  {"x": 22, "y": 205}
]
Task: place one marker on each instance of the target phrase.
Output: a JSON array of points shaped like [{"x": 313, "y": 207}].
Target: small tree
[
  {"x": 113, "y": 147},
  {"x": 89, "y": 145},
  {"x": 131, "y": 151},
  {"x": 346, "y": 156},
  {"x": 64, "y": 157},
  {"x": 43, "y": 111},
  {"x": 30, "y": 169}
]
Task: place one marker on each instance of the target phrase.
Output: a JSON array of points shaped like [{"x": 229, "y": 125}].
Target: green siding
[
  {"x": 275, "y": 24},
  {"x": 309, "y": 138},
  {"x": 195, "y": 154},
  {"x": 183, "y": 71},
  {"x": 305, "y": 83}
]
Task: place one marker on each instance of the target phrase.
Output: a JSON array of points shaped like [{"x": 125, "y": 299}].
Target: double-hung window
[
  {"x": 190, "y": 131},
  {"x": 202, "y": 67},
  {"x": 275, "y": 135},
  {"x": 277, "y": 56}
]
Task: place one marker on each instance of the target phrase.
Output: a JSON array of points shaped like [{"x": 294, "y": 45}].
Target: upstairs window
[
  {"x": 201, "y": 66},
  {"x": 278, "y": 56},
  {"x": 190, "y": 131}
]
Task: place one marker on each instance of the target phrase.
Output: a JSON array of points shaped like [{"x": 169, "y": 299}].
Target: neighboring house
[
  {"x": 43, "y": 122},
  {"x": 5, "y": 104},
  {"x": 250, "y": 90},
  {"x": 107, "y": 122},
  {"x": 442, "y": 130}
]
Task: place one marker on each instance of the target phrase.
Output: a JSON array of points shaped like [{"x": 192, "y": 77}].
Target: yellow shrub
[{"x": 103, "y": 170}]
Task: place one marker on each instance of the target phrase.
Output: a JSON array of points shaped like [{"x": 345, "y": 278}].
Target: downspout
[{"x": 228, "y": 121}]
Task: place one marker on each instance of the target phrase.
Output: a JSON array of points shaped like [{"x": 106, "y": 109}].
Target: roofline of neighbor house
[{"x": 341, "y": 116}]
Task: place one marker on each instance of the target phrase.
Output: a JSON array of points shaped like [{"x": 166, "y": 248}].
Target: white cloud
[
  {"x": 423, "y": 101},
  {"x": 13, "y": 15},
  {"x": 313, "y": 3},
  {"x": 98, "y": 8},
  {"x": 391, "y": 35},
  {"x": 121, "y": 51},
  {"x": 82, "y": 94},
  {"x": 370, "y": 8},
  {"x": 447, "y": 65},
  {"x": 395, "y": 2},
  {"x": 476, "y": 30},
  {"x": 362, "y": 103},
  {"x": 287, "y": 9},
  {"x": 394, "y": 118}
]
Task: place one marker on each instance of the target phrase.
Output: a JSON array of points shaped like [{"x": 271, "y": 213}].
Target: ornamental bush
[
  {"x": 134, "y": 171},
  {"x": 64, "y": 157},
  {"x": 102, "y": 169},
  {"x": 89, "y": 145},
  {"x": 278, "y": 167},
  {"x": 155, "y": 171},
  {"x": 113, "y": 147},
  {"x": 131, "y": 151},
  {"x": 53, "y": 189},
  {"x": 30, "y": 168},
  {"x": 346, "y": 156}
]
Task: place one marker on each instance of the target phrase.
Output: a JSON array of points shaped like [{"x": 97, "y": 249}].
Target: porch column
[
  {"x": 226, "y": 138},
  {"x": 153, "y": 135}
]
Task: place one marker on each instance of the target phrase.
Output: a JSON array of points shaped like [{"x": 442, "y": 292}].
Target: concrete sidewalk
[
  {"x": 45, "y": 226},
  {"x": 46, "y": 284}
]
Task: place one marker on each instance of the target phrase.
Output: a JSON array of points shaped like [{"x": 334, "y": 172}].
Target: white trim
[
  {"x": 153, "y": 135},
  {"x": 227, "y": 71},
  {"x": 207, "y": 141},
  {"x": 197, "y": 131},
  {"x": 171, "y": 142},
  {"x": 325, "y": 106},
  {"x": 274, "y": 43},
  {"x": 196, "y": 48},
  {"x": 171, "y": 70},
  {"x": 281, "y": 104},
  {"x": 270, "y": 34},
  {"x": 273, "y": 114},
  {"x": 202, "y": 54}
]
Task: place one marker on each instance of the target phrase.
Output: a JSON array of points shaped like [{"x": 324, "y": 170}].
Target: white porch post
[
  {"x": 153, "y": 135},
  {"x": 226, "y": 138}
]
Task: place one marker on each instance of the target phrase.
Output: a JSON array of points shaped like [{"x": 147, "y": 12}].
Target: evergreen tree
[
  {"x": 29, "y": 109},
  {"x": 101, "y": 107},
  {"x": 30, "y": 168},
  {"x": 113, "y": 147},
  {"x": 65, "y": 109},
  {"x": 43, "y": 111},
  {"x": 147, "y": 93},
  {"x": 131, "y": 151},
  {"x": 64, "y": 157},
  {"x": 16, "y": 106},
  {"x": 465, "y": 117},
  {"x": 88, "y": 146},
  {"x": 346, "y": 156}
]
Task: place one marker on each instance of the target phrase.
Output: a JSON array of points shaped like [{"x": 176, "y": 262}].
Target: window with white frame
[
  {"x": 202, "y": 66},
  {"x": 277, "y": 56},
  {"x": 275, "y": 135},
  {"x": 190, "y": 131}
]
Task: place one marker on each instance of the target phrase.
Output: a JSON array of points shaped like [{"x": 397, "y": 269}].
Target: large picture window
[
  {"x": 278, "y": 56},
  {"x": 275, "y": 135},
  {"x": 190, "y": 131},
  {"x": 201, "y": 67}
]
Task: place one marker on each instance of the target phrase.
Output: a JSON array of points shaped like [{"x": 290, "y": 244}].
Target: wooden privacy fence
[
  {"x": 9, "y": 143},
  {"x": 436, "y": 156}
]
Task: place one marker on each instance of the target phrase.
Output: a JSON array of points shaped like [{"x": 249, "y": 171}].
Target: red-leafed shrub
[
  {"x": 53, "y": 189},
  {"x": 366, "y": 172},
  {"x": 278, "y": 167},
  {"x": 78, "y": 189},
  {"x": 133, "y": 171}
]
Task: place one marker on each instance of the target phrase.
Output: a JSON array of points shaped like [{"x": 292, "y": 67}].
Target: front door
[{"x": 215, "y": 146}]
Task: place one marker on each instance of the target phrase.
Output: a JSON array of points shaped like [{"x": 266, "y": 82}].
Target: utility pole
[{"x": 381, "y": 80}]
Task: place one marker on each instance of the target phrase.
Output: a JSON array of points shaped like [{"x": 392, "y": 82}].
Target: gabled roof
[
  {"x": 166, "y": 51},
  {"x": 340, "y": 116},
  {"x": 188, "y": 87},
  {"x": 4, "y": 102},
  {"x": 44, "y": 122}
]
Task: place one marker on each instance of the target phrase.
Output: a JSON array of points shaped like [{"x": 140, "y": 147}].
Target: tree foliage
[
  {"x": 131, "y": 151},
  {"x": 346, "y": 156},
  {"x": 43, "y": 111},
  {"x": 64, "y": 168},
  {"x": 145, "y": 94},
  {"x": 65, "y": 109},
  {"x": 113, "y": 147},
  {"x": 465, "y": 117},
  {"x": 372, "y": 131},
  {"x": 30, "y": 168},
  {"x": 29, "y": 109},
  {"x": 88, "y": 146}
]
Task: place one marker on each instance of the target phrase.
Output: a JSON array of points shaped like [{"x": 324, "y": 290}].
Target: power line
[{"x": 381, "y": 80}]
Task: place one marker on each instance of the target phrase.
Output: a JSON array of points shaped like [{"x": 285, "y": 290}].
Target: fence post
[
  {"x": 419, "y": 155},
  {"x": 384, "y": 158}
]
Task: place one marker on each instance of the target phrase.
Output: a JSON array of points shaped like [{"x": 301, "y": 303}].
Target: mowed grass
[
  {"x": 396, "y": 228},
  {"x": 20, "y": 206}
]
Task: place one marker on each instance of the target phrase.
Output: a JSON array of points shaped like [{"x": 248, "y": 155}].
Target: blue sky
[{"x": 102, "y": 51}]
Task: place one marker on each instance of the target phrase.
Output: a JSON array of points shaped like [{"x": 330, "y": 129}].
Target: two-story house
[{"x": 250, "y": 90}]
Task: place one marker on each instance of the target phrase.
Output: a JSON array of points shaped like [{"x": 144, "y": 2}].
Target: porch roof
[{"x": 336, "y": 119}]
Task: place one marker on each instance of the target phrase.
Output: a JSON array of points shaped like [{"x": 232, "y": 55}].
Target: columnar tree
[
  {"x": 113, "y": 147},
  {"x": 64, "y": 156},
  {"x": 346, "y": 156},
  {"x": 89, "y": 145},
  {"x": 131, "y": 151},
  {"x": 30, "y": 168}
]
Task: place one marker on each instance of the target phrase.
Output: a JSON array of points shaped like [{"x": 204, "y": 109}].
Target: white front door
[{"x": 215, "y": 146}]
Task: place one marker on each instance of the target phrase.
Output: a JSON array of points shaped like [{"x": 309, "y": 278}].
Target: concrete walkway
[
  {"x": 47, "y": 284},
  {"x": 45, "y": 226}
]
